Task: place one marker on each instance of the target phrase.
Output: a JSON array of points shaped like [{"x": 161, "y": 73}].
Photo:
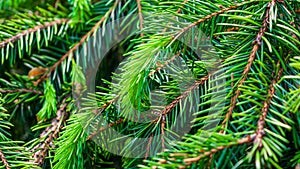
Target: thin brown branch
[
  {"x": 261, "y": 122},
  {"x": 52, "y": 131},
  {"x": 161, "y": 66},
  {"x": 140, "y": 15},
  {"x": 175, "y": 102},
  {"x": 119, "y": 121},
  {"x": 244, "y": 140},
  {"x": 256, "y": 46},
  {"x": 266, "y": 105},
  {"x": 4, "y": 161},
  {"x": 206, "y": 18},
  {"x": 22, "y": 90},
  {"x": 32, "y": 30},
  {"x": 103, "y": 107},
  {"x": 77, "y": 45},
  {"x": 169, "y": 108},
  {"x": 148, "y": 146},
  {"x": 206, "y": 153}
]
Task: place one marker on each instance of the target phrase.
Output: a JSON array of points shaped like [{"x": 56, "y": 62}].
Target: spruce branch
[
  {"x": 161, "y": 66},
  {"x": 32, "y": 30},
  {"x": 52, "y": 131},
  {"x": 271, "y": 91},
  {"x": 256, "y": 45},
  {"x": 103, "y": 107},
  {"x": 119, "y": 121},
  {"x": 22, "y": 90},
  {"x": 244, "y": 140},
  {"x": 262, "y": 119},
  {"x": 163, "y": 121},
  {"x": 168, "y": 109},
  {"x": 4, "y": 161},
  {"x": 172, "y": 105},
  {"x": 77, "y": 45},
  {"x": 172, "y": 58},
  {"x": 206, "y": 153},
  {"x": 165, "y": 111}
]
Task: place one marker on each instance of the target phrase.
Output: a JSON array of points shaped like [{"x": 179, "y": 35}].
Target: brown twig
[
  {"x": 161, "y": 66},
  {"x": 256, "y": 45},
  {"x": 103, "y": 107},
  {"x": 4, "y": 161},
  {"x": 205, "y": 153},
  {"x": 31, "y": 30},
  {"x": 77, "y": 45},
  {"x": 244, "y": 140},
  {"x": 148, "y": 146},
  {"x": 266, "y": 105},
  {"x": 169, "y": 108},
  {"x": 172, "y": 105},
  {"x": 55, "y": 127},
  {"x": 140, "y": 15},
  {"x": 119, "y": 121},
  {"x": 22, "y": 90},
  {"x": 206, "y": 18}
]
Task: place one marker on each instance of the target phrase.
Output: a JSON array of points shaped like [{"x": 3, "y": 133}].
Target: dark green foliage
[{"x": 199, "y": 84}]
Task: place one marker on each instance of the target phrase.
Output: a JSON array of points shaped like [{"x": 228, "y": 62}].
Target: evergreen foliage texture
[{"x": 238, "y": 89}]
